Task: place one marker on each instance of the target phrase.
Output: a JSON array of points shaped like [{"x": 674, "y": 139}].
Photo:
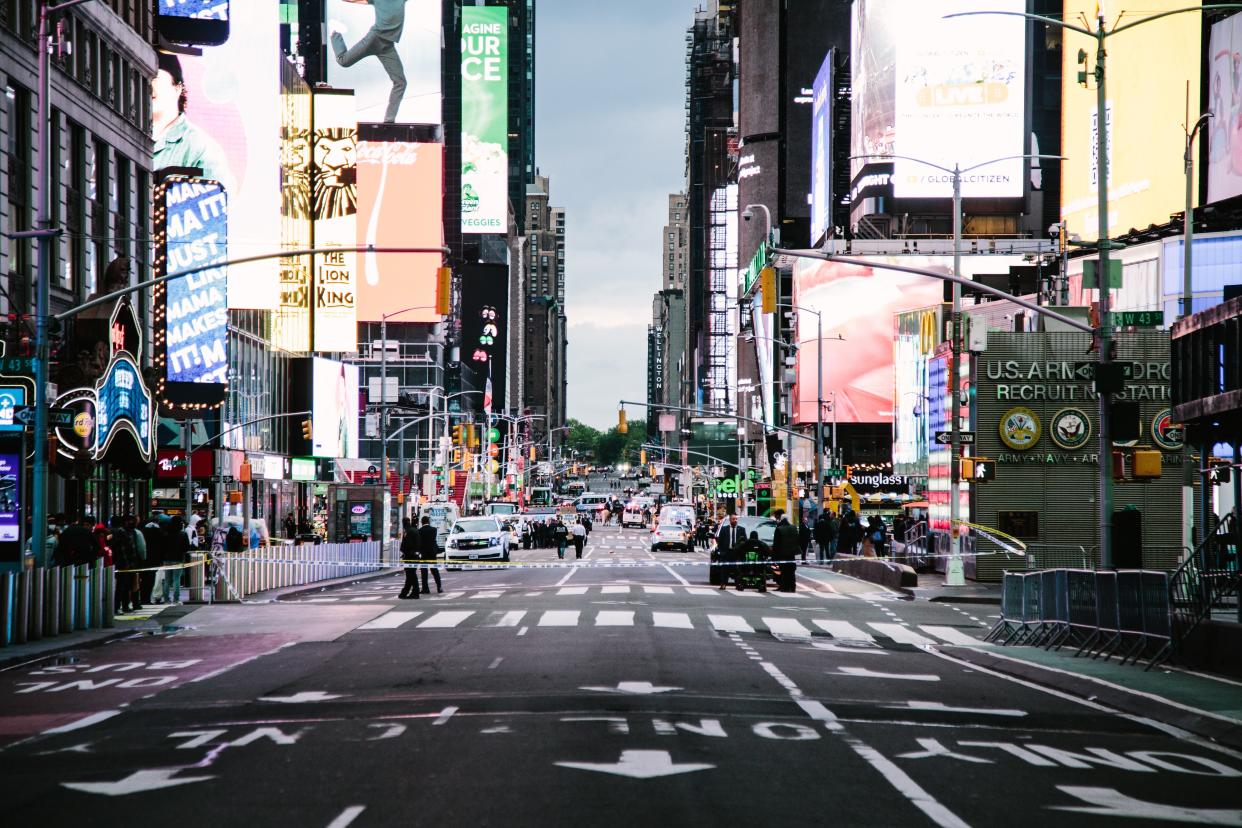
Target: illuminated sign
[
  {"x": 302, "y": 468},
  {"x": 821, "y": 148},
  {"x": 334, "y": 418},
  {"x": 484, "y": 119},
  {"x": 123, "y": 405},
  {"x": 291, "y": 324},
  {"x": 11, "y": 396},
  {"x": 10, "y": 498},
  {"x": 1224, "y": 138},
  {"x": 191, "y": 316},
  {"x": 334, "y": 200},
  {"x": 197, "y": 9}
]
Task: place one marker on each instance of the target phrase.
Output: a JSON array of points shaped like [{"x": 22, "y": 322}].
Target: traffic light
[
  {"x": 307, "y": 429},
  {"x": 966, "y": 469},
  {"x": 444, "y": 291},
  {"x": 452, "y": 478},
  {"x": 767, "y": 287},
  {"x": 642, "y": 457},
  {"x": 622, "y": 428},
  {"x": 532, "y": 454},
  {"x": 457, "y": 441},
  {"x": 472, "y": 436},
  {"x": 457, "y": 455}
]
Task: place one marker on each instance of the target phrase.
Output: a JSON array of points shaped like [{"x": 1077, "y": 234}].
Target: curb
[
  {"x": 1209, "y": 726},
  {"x": 965, "y": 599},
  {"x": 285, "y": 592},
  {"x": 13, "y": 662}
]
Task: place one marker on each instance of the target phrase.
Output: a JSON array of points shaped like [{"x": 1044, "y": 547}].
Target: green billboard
[{"x": 484, "y": 119}]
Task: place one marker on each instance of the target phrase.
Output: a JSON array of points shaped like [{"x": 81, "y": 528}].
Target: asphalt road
[{"x": 631, "y": 694}]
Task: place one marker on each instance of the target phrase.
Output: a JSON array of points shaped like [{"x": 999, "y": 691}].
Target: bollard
[
  {"x": 37, "y": 579},
  {"x": 81, "y": 597},
  {"x": 51, "y": 602},
  {"x": 107, "y": 608},
  {"x": 8, "y": 586},
  {"x": 68, "y": 598},
  {"x": 21, "y": 614}
]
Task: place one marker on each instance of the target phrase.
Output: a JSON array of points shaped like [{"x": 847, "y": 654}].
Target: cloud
[{"x": 610, "y": 127}]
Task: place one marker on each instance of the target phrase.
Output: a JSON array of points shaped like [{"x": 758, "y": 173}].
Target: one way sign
[{"x": 945, "y": 438}]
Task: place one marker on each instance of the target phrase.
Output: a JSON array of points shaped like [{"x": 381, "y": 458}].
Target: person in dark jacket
[
  {"x": 176, "y": 552},
  {"x": 409, "y": 554},
  {"x": 154, "y": 537},
  {"x": 784, "y": 548},
  {"x": 124, "y": 558},
  {"x": 728, "y": 538},
  {"x": 824, "y": 534},
  {"x": 428, "y": 549},
  {"x": 804, "y": 538},
  {"x": 849, "y": 534},
  {"x": 76, "y": 545},
  {"x": 560, "y": 535}
]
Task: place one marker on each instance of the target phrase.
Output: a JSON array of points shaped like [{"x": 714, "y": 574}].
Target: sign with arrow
[
  {"x": 945, "y": 438},
  {"x": 639, "y": 764},
  {"x": 1086, "y": 371},
  {"x": 56, "y": 417}
]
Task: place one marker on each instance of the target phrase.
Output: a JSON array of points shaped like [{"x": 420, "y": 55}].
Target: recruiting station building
[{"x": 1039, "y": 423}]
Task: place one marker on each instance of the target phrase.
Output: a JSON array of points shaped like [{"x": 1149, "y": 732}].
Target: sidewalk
[
  {"x": 150, "y": 620},
  {"x": 1206, "y": 705},
  {"x": 932, "y": 588}
]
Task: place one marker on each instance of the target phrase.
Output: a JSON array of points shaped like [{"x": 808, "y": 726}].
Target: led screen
[
  {"x": 1224, "y": 130},
  {"x": 484, "y": 119},
  {"x": 10, "y": 497},
  {"x": 334, "y": 198},
  {"x": 220, "y": 113},
  {"x": 196, "y": 317},
  {"x": 334, "y": 418},
  {"x": 124, "y": 405},
  {"x": 858, "y": 304},
  {"x": 197, "y": 9},
  {"x": 11, "y": 396},
  {"x": 388, "y": 52},
  {"x": 1149, "y": 67},
  {"x": 400, "y": 192},
  {"x": 821, "y": 149}
]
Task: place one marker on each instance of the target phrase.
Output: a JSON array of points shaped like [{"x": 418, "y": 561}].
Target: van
[
  {"x": 590, "y": 503},
  {"x": 442, "y": 514},
  {"x": 500, "y": 508}
]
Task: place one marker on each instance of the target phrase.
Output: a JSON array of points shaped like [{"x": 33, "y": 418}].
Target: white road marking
[
  {"x": 568, "y": 575},
  {"x": 495, "y": 662},
  {"x": 863, "y": 672},
  {"x": 615, "y": 590},
  {"x": 571, "y": 591},
  {"x": 445, "y": 619},
  {"x": 730, "y": 623},
  {"x": 701, "y": 591},
  {"x": 842, "y": 629},
  {"x": 85, "y": 721},
  {"x": 559, "y": 618},
  {"x": 673, "y": 620},
  {"x": 900, "y": 634},
  {"x": 389, "y": 620},
  {"x": 658, "y": 590},
  {"x": 347, "y": 816},
  {"x": 614, "y": 618},
  {"x": 445, "y": 715},
  {"x": 506, "y": 619},
  {"x": 489, "y": 594},
  {"x": 785, "y": 626},
  {"x": 449, "y": 596},
  {"x": 951, "y": 635},
  {"x": 673, "y": 572}
]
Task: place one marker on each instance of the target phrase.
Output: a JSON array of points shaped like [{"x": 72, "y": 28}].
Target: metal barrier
[
  {"x": 1125, "y": 613},
  {"x": 239, "y": 575},
  {"x": 42, "y": 603}
]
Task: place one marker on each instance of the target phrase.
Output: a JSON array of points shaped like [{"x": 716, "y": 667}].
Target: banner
[
  {"x": 334, "y": 181},
  {"x": 484, "y": 119}
]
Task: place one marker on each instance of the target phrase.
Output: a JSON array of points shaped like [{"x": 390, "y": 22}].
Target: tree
[
  {"x": 582, "y": 438},
  {"x": 613, "y": 446}
]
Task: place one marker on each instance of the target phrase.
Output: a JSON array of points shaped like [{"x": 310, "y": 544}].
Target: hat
[{"x": 99, "y": 527}]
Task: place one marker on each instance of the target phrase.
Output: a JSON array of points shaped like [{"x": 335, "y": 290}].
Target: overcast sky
[{"x": 610, "y": 133}]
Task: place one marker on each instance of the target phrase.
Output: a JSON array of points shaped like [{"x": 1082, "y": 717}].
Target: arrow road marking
[
  {"x": 639, "y": 764},
  {"x": 863, "y": 672},
  {"x": 635, "y": 688},
  {"x": 136, "y": 782},
  {"x": 940, "y": 707},
  {"x": 301, "y": 698},
  {"x": 1111, "y": 802}
]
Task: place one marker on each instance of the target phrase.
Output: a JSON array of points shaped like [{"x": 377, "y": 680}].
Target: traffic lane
[
  {"x": 1069, "y": 754},
  {"x": 68, "y": 687}
]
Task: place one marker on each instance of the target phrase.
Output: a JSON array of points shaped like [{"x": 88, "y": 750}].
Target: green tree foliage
[
  {"x": 582, "y": 438},
  {"x": 614, "y": 447}
]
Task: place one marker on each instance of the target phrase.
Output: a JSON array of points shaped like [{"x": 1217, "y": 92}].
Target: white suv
[{"x": 477, "y": 538}]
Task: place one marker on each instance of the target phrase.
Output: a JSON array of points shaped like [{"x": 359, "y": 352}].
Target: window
[{"x": 18, "y": 163}]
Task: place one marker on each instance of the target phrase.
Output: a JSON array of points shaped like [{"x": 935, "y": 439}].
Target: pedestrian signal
[
  {"x": 493, "y": 435},
  {"x": 767, "y": 287}
]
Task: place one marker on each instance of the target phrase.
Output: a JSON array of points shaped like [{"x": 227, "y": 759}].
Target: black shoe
[
  {"x": 763, "y": 589},
  {"x": 426, "y": 591},
  {"x": 137, "y": 607},
  {"x": 438, "y": 589}
]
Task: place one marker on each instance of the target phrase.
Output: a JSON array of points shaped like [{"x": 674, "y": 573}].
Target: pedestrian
[
  {"x": 579, "y": 535},
  {"x": 727, "y": 539},
  {"x": 784, "y": 549},
  {"x": 429, "y": 550},
  {"x": 76, "y": 545},
  {"x": 125, "y": 560},
  {"x": 804, "y": 537},
  {"x": 154, "y": 539},
  {"x": 140, "y": 552},
  {"x": 291, "y": 527},
  {"x": 176, "y": 556},
  {"x": 824, "y": 534},
  {"x": 561, "y": 535},
  {"x": 409, "y": 558},
  {"x": 234, "y": 541},
  {"x": 848, "y": 533}
]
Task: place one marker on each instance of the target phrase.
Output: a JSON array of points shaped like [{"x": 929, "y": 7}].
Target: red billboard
[
  {"x": 170, "y": 463},
  {"x": 400, "y": 198}
]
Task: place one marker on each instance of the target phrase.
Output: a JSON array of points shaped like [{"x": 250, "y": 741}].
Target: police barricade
[
  {"x": 1130, "y": 640},
  {"x": 1082, "y": 608},
  {"x": 274, "y": 567},
  {"x": 1031, "y": 618},
  {"x": 1011, "y": 608},
  {"x": 47, "y": 602}
]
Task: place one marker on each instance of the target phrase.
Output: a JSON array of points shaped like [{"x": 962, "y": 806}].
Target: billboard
[
  {"x": 1143, "y": 187},
  {"x": 220, "y": 113},
  {"x": 858, "y": 304},
  {"x": 197, "y": 9},
  {"x": 1224, "y": 130},
  {"x": 821, "y": 148},
  {"x": 400, "y": 192},
  {"x": 484, "y": 119},
  {"x": 191, "y": 318},
  {"x": 334, "y": 417},
  {"x": 389, "y": 54},
  {"x": 485, "y": 326},
  {"x": 10, "y": 499},
  {"x": 922, "y": 82},
  {"x": 291, "y": 323},
  {"x": 334, "y": 206}
]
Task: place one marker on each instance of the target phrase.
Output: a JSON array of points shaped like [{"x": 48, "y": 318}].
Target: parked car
[{"x": 477, "y": 538}]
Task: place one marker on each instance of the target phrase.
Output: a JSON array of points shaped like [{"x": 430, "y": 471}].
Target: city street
[{"x": 627, "y": 695}]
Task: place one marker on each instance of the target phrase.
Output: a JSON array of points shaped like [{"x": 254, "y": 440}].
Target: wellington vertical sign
[{"x": 484, "y": 119}]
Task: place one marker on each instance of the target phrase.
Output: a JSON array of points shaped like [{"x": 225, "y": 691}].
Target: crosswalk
[
  {"x": 388, "y": 593},
  {"x": 871, "y": 632}
]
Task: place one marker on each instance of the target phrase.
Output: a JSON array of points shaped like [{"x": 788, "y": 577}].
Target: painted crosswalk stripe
[
  {"x": 614, "y": 618},
  {"x": 674, "y": 620},
  {"x": 701, "y": 591},
  {"x": 493, "y": 593},
  {"x": 615, "y": 590},
  {"x": 571, "y": 591},
  {"x": 658, "y": 590},
  {"x": 504, "y": 619},
  {"x": 559, "y": 618},
  {"x": 842, "y": 629},
  {"x": 950, "y": 635},
  {"x": 785, "y": 626},
  {"x": 445, "y": 619},
  {"x": 366, "y": 598},
  {"x": 900, "y": 634},
  {"x": 449, "y": 596},
  {"x": 730, "y": 623},
  {"x": 390, "y": 620}
]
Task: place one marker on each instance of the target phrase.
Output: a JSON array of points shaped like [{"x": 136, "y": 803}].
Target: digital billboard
[
  {"x": 485, "y": 325},
  {"x": 400, "y": 193},
  {"x": 197, "y": 9},
  {"x": 389, "y": 53},
  {"x": 220, "y": 114},
  {"x": 858, "y": 304},
  {"x": 124, "y": 405},
  {"x": 1224, "y": 131},
  {"x": 334, "y": 206},
  {"x": 821, "y": 148},
  {"x": 191, "y": 316},
  {"x": 1149, "y": 68},
  {"x": 484, "y": 119},
  {"x": 334, "y": 420},
  {"x": 291, "y": 324},
  {"x": 10, "y": 498},
  {"x": 11, "y": 396}
]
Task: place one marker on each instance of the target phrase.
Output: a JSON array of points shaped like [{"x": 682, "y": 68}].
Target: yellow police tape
[
  {"x": 189, "y": 565},
  {"x": 1008, "y": 542}
]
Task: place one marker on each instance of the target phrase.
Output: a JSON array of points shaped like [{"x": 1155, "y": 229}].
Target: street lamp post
[
  {"x": 384, "y": 383},
  {"x": 1188, "y": 470}
]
